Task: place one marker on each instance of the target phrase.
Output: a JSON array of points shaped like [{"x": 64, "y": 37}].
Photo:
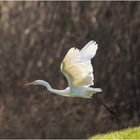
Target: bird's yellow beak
[{"x": 28, "y": 84}]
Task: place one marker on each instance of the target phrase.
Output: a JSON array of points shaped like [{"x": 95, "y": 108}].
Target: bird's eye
[{"x": 34, "y": 82}]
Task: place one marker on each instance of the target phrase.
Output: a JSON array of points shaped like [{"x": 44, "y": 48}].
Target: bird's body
[{"x": 78, "y": 71}]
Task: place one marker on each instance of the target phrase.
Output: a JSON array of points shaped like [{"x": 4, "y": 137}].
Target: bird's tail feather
[
  {"x": 94, "y": 90},
  {"x": 98, "y": 89}
]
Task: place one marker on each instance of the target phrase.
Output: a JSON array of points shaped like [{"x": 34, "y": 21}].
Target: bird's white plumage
[
  {"x": 78, "y": 71},
  {"x": 77, "y": 67}
]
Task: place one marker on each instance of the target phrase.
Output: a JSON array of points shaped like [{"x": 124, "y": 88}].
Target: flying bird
[{"x": 78, "y": 71}]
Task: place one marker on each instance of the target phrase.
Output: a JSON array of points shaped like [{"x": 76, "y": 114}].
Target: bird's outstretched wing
[{"x": 77, "y": 67}]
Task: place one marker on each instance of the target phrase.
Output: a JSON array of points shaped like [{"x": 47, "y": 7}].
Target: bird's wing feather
[
  {"x": 88, "y": 52},
  {"x": 77, "y": 67}
]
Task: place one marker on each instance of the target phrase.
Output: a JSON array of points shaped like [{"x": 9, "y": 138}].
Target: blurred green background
[{"x": 34, "y": 38}]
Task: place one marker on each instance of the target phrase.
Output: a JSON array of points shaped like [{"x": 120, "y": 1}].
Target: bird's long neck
[{"x": 50, "y": 89}]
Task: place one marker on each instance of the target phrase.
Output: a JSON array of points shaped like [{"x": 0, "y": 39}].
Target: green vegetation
[{"x": 129, "y": 133}]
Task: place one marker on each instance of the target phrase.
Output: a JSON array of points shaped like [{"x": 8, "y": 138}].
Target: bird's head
[{"x": 36, "y": 82}]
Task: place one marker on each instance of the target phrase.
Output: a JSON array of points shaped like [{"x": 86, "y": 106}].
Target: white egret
[{"x": 77, "y": 68}]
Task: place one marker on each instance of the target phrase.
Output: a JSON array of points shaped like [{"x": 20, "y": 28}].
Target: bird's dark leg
[{"x": 107, "y": 108}]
